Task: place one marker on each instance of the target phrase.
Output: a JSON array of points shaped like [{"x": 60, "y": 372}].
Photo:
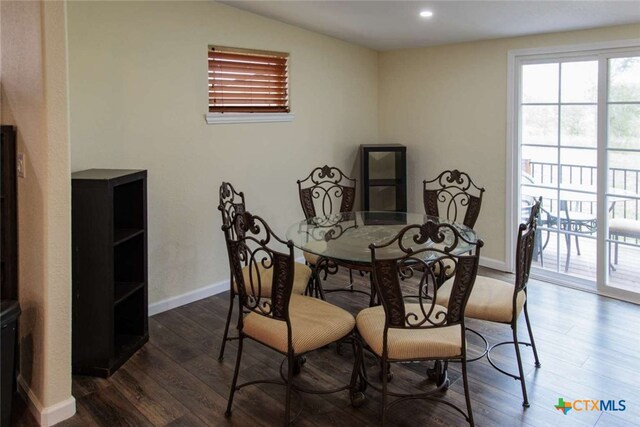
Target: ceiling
[{"x": 386, "y": 25}]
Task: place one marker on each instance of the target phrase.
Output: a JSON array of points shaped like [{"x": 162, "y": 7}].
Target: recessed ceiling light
[{"x": 426, "y": 14}]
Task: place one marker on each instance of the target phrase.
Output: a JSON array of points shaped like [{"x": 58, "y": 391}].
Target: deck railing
[{"x": 625, "y": 179}]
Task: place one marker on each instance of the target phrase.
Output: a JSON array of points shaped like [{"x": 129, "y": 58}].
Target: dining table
[{"x": 344, "y": 239}]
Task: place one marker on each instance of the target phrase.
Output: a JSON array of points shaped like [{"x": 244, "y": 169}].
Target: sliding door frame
[{"x": 515, "y": 60}]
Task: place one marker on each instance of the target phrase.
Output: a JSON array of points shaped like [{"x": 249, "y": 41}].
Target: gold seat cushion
[
  {"x": 314, "y": 324},
  {"x": 491, "y": 299},
  {"x": 301, "y": 276},
  {"x": 409, "y": 344}
]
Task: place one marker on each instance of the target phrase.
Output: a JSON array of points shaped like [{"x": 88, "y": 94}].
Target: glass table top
[{"x": 347, "y": 236}]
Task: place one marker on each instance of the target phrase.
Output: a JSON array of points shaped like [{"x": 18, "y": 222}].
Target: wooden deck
[
  {"x": 625, "y": 274},
  {"x": 588, "y": 347}
]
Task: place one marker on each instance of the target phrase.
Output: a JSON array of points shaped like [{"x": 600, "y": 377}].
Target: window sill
[{"x": 219, "y": 118}]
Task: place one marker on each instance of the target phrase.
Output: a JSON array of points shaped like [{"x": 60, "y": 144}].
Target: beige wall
[
  {"x": 448, "y": 105},
  {"x": 138, "y": 96},
  {"x": 34, "y": 98}
]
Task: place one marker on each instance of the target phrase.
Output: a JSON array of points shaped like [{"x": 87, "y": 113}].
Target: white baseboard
[
  {"x": 216, "y": 288},
  {"x": 50, "y": 415},
  {"x": 188, "y": 297},
  {"x": 494, "y": 264}
]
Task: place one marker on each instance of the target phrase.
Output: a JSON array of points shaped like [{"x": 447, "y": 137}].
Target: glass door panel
[
  {"x": 623, "y": 174},
  {"x": 558, "y": 142}
]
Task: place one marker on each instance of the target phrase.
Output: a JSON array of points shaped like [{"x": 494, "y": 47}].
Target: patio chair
[{"x": 622, "y": 228}]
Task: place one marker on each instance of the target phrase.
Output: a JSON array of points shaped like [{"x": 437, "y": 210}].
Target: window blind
[{"x": 249, "y": 82}]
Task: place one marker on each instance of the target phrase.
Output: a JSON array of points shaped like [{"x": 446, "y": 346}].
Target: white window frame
[
  {"x": 515, "y": 58},
  {"x": 220, "y": 118}
]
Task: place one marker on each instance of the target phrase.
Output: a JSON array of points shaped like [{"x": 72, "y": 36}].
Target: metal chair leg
[
  {"x": 235, "y": 378},
  {"x": 533, "y": 343},
  {"x": 525, "y": 401},
  {"x": 385, "y": 367},
  {"x": 577, "y": 246},
  {"x": 314, "y": 287},
  {"x": 356, "y": 392},
  {"x": 232, "y": 296},
  {"x": 467, "y": 396},
  {"x": 287, "y": 409}
]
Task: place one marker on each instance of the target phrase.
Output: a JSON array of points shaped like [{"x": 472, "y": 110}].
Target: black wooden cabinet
[
  {"x": 384, "y": 177},
  {"x": 109, "y": 233},
  {"x": 8, "y": 215}
]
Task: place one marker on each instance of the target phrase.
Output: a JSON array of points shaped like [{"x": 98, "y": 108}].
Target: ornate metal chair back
[
  {"x": 327, "y": 190},
  {"x": 526, "y": 246},
  {"x": 454, "y": 196},
  {"x": 254, "y": 247},
  {"x": 231, "y": 204},
  {"x": 417, "y": 256}
]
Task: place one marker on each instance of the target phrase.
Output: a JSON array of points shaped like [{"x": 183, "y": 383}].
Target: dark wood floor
[{"x": 588, "y": 346}]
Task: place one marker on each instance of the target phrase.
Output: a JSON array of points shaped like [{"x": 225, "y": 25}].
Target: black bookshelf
[
  {"x": 109, "y": 233},
  {"x": 8, "y": 215},
  {"x": 384, "y": 177}
]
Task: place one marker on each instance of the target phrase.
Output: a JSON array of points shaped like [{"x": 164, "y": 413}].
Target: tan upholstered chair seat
[
  {"x": 409, "y": 344},
  {"x": 312, "y": 259},
  {"x": 314, "y": 324},
  {"x": 302, "y": 273},
  {"x": 624, "y": 227},
  {"x": 317, "y": 247},
  {"x": 491, "y": 299}
]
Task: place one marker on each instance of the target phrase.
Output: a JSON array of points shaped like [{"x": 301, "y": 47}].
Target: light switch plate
[{"x": 20, "y": 166}]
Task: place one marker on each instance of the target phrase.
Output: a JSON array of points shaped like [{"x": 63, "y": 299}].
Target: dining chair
[
  {"x": 398, "y": 331},
  {"x": 232, "y": 204},
  {"x": 454, "y": 196},
  {"x": 498, "y": 301},
  {"x": 326, "y": 191},
  {"x": 278, "y": 318}
]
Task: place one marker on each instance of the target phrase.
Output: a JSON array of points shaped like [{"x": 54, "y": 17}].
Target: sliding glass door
[
  {"x": 578, "y": 139},
  {"x": 622, "y": 159}
]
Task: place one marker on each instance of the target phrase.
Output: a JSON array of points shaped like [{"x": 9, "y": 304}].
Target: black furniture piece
[
  {"x": 9, "y": 307},
  {"x": 109, "y": 234},
  {"x": 9, "y": 313},
  {"x": 8, "y": 216},
  {"x": 384, "y": 177}
]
